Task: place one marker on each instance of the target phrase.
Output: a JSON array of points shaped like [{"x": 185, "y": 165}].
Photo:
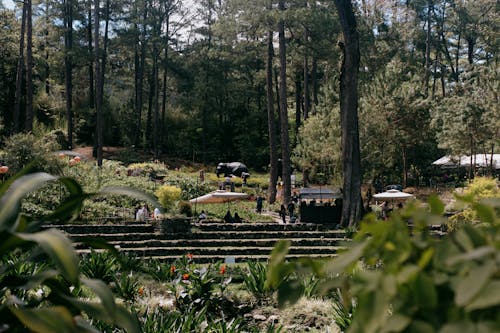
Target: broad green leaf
[
  {"x": 10, "y": 203},
  {"x": 436, "y": 205},
  {"x": 131, "y": 193},
  {"x": 121, "y": 317},
  {"x": 418, "y": 326},
  {"x": 425, "y": 291},
  {"x": 478, "y": 253},
  {"x": 489, "y": 296},
  {"x": 46, "y": 320},
  {"x": 69, "y": 209},
  {"x": 463, "y": 240},
  {"x": 407, "y": 272},
  {"x": 39, "y": 278},
  {"x": 59, "y": 248},
  {"x": 396, "y": 323},
  {"x": 462, "y": 327},
  {"x": 289, "y": 292},
  {"x": 426, "y": 258},
  {"x": 72, "y": 186},
  {"x": 346, "y": 259},
  {"x": 276, "y": 260},
  {"x": 485, "y": 213},
  {"x": 104, "y": 293},
  {"x": 477, "y": 278}
]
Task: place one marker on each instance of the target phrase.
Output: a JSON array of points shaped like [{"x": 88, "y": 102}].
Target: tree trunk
[
  {"x": 91, "y": 58},
  {"x": 68, "y": 66},
  {"x": 140, "y": 78},
  {"x": 271, "y": 126},
  {"x": 285, "y": 141},
  {"x": 98, "y": 96},
  {"x": 298, "y": 103},
  {"x": 20, "y": 71},
  {"x": 314, "y": 71},
  {"x": 428, "y": 48},
  {"x": 306, "y": 77},
  {"x": 352, "y": 204},
  {"x": 104, "y": 49},
  {"x": 29, "y": 67}
]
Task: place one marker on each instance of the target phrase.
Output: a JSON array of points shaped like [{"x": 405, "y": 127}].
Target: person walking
[
  {"x": 283, "y": 213},
  {"x": 260, "y": 201}
]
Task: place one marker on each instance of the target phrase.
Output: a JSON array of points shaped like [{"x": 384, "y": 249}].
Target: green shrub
[
  {"x": 185, "y": 208},
  {"x": 404, "y": 280},
  {"x": 168, "y": 195},
  {"x": 99, "y": 265},
  {"x": 255, "y": 280},
  {"x": 480, "y": 188}
]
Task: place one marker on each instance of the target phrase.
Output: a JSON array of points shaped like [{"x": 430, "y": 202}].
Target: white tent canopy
[
  {"x": 479, "y": 160},
  {"x": 393, "y": 195},
  {"x": 219, "y": 196}
]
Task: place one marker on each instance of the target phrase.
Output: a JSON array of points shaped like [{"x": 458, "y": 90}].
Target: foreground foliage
[
  {"x": 39, "y": 272},
  {"x": 402, "y": 279}
]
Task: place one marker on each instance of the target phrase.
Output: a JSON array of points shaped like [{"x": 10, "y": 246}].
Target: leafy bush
[
  {"x": 22, "y": 149},
  {"x": 185, "y": 208},
  {"x": 99, "y": 265},
  {"x": 255, "y": 280},
  {"x": 127, "y": 286},
  {"x": 404, "y": 280},
  {"x": 168, "y": 195},
  {"x": 479, "y": 188},
  {"x": 41, "y": 298}
]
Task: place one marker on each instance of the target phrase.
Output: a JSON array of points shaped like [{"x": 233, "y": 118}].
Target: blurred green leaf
[
  {"x": 104, "y": 294},
  {"x": 131, "y": 193},
  {"x": 346, "y": 259},
  {"x": 489, "y": 296},
  {"x": 477, "y": 278},
  {"x": 276, "y": 262},
  {"x": 59, "y": 249},
  {"x": 478, "y": 253},
  {"x": 436, "y": 205},
  {"x": 289, "y": 292},
  {"x": 46, "y": 320},
  {"x": 10, "y": 202}
]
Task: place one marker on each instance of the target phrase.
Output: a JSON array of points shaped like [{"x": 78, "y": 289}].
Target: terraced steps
[{"x": 212, "y": 241}]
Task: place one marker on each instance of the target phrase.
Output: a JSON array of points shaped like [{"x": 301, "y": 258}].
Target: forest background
[{"x": 188, "y": 80}]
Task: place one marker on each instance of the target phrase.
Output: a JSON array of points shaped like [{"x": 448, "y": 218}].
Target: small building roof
[{"x": 321, "y": 193}]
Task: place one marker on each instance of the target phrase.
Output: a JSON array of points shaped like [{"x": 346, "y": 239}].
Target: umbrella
[
  {"x": 393, "y": 195},
  {"x": 219, "y": 196}
]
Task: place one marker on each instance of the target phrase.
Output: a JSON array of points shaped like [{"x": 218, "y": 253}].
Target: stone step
[
  {"x": 212, "y": 235},
  {"x": 218, "y": 242},
  {"x": 223, "y": 251},
  {"x": 239, "y": 258},
  {"x": 103, "y": 228},
  {"x": 269, "y": 226}
]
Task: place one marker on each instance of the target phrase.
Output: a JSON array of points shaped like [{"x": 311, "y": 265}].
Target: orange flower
[
  {"x": 222, "y": 269},
  {"x": 141, "y": 291},
  {"x": 172, "y": 269},
  {"x": 189, "y": 256},
  {"x": 185, "y": 276}
]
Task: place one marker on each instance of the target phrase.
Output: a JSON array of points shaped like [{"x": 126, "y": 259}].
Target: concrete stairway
[{"x": 210, "y": 242}]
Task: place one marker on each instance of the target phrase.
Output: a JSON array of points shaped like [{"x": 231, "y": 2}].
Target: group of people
[
  {"x": 142, "y": 213},
  {"x": 228, "y": 218}
]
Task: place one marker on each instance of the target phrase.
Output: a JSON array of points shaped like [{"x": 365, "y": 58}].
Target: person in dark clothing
[
  {"x": 237, "y": 218},
  {"x": 291, "y": 208},
  {"x": 283, "y": 213},
  {"x": 260, "y": 200},
  {"x": 228, "y": 218}
]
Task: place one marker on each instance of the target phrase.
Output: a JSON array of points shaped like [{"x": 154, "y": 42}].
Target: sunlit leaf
[
  {"x": 436, "y": 205},
  {"x": 59, "y": 248},
  {"x": 477, "y": 278},
  {"x": 489, "y": 296},
  {"x": 131, "y": 193},
  {"x": 10, "y": 203},
  {"x": 46, "y": 320}
]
